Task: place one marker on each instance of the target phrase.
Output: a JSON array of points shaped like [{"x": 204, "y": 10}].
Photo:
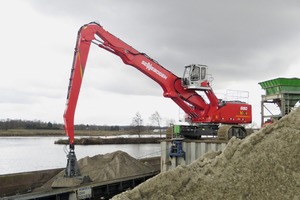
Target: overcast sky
[{"x": 242, "y": 43}]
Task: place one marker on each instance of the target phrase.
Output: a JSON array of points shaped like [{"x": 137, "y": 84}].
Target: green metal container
[
  {"x": 176, "y": 129},
  {"x": 281, "y": 85}
]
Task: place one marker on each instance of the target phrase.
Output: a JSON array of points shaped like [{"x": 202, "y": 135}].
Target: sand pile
[
  {"x": 101, "y": 168},
  {"x": 265, "y": 165},
  {"x": 111, "y": 166}
]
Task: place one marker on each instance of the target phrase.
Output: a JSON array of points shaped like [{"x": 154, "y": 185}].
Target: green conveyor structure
[
  {"x": 281, "y": 85},
  {"x": 285, "y": 92}
]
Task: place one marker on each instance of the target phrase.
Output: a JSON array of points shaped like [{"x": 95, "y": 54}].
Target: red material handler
[{"x": 199, "y": 111}]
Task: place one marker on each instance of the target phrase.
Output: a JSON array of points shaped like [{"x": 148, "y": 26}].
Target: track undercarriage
[
  {"x": 226, "y": 132},
  {"x": 206, "y": 131}
]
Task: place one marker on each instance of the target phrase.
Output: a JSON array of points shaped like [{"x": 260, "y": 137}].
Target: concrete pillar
[
  {"x": 164, "y": 158},
  {"x": 193, "y": 151}
]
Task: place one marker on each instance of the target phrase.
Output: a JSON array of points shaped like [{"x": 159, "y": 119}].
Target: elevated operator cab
[{"x": 195, "y": 77}]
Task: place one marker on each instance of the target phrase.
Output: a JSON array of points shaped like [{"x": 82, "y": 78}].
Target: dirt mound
[
  {"x": 111, "y": 166},
  {"x": 265, "y": 165},
  {"x": 101, "y": 168}
]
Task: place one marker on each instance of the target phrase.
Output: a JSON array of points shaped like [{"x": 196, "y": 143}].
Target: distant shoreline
[
  {"x": 93, "y": 137},
  {"x": 30, "y": 132},
  {"x": 118, "y": 140},
  {"x": 49, "y": 133}
]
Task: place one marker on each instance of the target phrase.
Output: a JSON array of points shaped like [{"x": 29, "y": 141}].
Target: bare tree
[
  {"x": 137, "y": 123},
  {"x": 169, "y": 122},
  {"x": 156, "y": 120}
]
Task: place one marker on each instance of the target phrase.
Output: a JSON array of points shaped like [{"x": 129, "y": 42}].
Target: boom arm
[{"x": 187, "y": 99}]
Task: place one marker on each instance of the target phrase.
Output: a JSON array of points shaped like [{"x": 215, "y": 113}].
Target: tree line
[
  {"x": 28, "y": 124},
  {"x": 136, "y": 125}
]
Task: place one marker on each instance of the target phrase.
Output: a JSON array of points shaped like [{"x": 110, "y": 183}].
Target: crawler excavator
[{"x": 207, "y": 117}]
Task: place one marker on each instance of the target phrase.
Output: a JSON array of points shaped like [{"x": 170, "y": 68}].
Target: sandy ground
[{"x": 265, "y": 165}]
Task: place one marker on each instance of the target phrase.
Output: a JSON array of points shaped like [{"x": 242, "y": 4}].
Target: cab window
[
  {"x": 203, "y": 73},
  {"x": 195, "y": 74}
]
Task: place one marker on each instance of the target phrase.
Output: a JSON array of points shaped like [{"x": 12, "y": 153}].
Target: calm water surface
[{"x": 21, "y": 154}]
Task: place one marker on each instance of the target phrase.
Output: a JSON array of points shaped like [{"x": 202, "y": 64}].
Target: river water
[{"x": 21, "y": 154}]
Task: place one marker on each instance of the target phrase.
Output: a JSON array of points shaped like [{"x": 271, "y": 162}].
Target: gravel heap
[
  {"x": 265, "y": 165},
  {"x": 111, "y": 166},
  {"x": 100, "y": 168}
]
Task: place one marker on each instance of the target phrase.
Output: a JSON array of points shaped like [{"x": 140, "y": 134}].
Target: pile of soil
[
  {"x": 111, "y": 166},
  {"x": 265, "y": 165},
  {"x": 101, "y": 167}
]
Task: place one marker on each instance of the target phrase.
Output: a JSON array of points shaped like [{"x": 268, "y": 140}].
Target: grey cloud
[{"x": 239, "y": 40}]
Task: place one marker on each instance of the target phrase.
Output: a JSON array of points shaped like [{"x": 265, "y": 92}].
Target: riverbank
[
  {"x": 117, "y": 140},
  {"x": 30, "y": 132},
  {"x": 87, "y": 137},
  {"x": 49, "y": 133}
]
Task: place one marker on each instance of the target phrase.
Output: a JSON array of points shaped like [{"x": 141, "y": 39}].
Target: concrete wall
[{"x": 194, "y": 149}]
